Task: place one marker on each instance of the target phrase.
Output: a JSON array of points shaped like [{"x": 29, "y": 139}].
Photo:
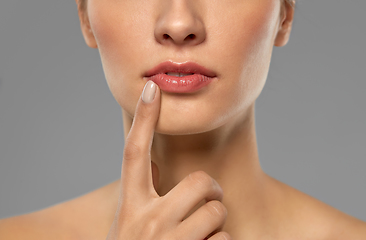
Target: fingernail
[{"x": 148, "y": 93}]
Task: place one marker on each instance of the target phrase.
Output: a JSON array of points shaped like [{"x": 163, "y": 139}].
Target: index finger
[{"x": 136, "y": 175}]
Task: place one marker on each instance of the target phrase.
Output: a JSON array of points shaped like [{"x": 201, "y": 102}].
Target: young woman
[{"x": 186, "y": 74}]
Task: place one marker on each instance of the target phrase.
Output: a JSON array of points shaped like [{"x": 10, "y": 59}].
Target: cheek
[
  {"x": 121, "y": 38},
  {"x": 239, "y": 46},
  {"x": 248, "y": 38}
]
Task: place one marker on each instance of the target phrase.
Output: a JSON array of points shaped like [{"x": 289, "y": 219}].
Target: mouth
[
  {"x": 178, "y": 74},
  {"x": 186, "y": 68},
  {"x": 184, "y": 77}
]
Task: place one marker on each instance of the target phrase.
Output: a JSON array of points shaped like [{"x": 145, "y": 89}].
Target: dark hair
[
  {"x": 82, "y": 4},
  {"x": 291, "y": 2}
]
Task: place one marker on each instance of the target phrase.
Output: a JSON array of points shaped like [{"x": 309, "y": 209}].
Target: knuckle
[
  {"x": 216, "y": 209},
  {"x": 152, "y": 227},
  {"x": 131, "y": 150},
  {"x": 202, "y": 179},
  {"x": 224, "y": 236}
]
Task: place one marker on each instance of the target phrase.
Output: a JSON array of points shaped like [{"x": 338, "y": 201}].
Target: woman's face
[{"x": 232, "y": 38}]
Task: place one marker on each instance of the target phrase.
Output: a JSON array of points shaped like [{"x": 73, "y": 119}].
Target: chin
[
  {"x": 181, "y": 129},
  {"x": 182, "y": 123}
]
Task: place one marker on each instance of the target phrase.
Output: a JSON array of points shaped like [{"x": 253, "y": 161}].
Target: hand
[{"x": 144, "y": 215}]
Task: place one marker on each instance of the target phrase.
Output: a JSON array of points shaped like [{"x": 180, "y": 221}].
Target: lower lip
[{"x": 186, "y": 84}]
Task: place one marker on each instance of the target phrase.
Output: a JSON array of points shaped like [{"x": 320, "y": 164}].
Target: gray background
[{"x": 61, "y": 130}]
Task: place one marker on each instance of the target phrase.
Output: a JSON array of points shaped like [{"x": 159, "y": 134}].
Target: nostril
[{"x": 191, "y": 36}]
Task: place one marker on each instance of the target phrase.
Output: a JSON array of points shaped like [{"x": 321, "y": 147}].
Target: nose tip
[{"x": 180, "y": 27}]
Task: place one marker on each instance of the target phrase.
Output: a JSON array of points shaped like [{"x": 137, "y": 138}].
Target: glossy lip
[
  {"x": 199, "y": 78},
  {"x": 186, "y": 67}
]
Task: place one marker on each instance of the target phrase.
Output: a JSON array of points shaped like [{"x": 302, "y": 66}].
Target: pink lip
[{"x": 200, "y": 77}]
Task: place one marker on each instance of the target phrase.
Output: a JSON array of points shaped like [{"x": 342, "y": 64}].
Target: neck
[{"x": 228, "y": 154}]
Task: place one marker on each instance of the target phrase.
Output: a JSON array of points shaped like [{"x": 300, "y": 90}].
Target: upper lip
[{"x": 185, "y": 67}]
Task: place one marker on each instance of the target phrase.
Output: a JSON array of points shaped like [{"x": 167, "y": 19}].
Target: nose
[{"x": 178, "y": 23}]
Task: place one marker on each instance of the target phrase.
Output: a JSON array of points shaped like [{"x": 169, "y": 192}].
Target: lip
[{"x": 200, "y": 77}]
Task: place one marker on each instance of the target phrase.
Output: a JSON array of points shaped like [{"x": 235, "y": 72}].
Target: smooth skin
[
  {"x": 190, "y": 168},
  {"x": 142, "y": 213}
]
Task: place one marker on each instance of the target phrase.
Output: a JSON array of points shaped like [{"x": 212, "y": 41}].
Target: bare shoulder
[
  {"x": 316, "y": 219},
  {"x": 37, "y": 225},
  {"x": 85, "y": 217}
]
